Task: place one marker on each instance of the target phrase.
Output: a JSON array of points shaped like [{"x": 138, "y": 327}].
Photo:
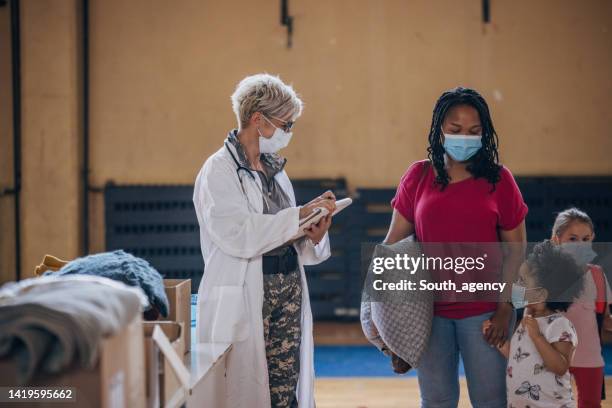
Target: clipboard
[{"x": 315, "y": 216}]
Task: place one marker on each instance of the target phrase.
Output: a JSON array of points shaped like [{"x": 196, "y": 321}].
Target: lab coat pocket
[{"x": 231, "y": 323}]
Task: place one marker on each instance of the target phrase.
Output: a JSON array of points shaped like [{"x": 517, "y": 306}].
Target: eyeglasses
[{"x": 286, "y": 126}]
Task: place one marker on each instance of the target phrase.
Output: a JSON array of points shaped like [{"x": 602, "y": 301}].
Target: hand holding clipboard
[{"x": 317, "y": 214}]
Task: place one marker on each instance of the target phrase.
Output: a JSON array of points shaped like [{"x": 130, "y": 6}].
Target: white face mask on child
[{"x": 582, "y": 252}]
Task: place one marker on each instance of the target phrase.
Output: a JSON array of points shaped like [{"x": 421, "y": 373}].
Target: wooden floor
[
  {"x": 370, "y": 393},
  {"x": 373, "y": 392},
  {"x": 382, "y": 393}
]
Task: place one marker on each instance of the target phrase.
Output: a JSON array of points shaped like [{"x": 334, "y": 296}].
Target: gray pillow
[{"x": 399, "y": 320}]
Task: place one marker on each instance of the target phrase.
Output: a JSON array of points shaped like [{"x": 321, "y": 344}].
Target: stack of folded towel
[{"x": 46, "y": 323}]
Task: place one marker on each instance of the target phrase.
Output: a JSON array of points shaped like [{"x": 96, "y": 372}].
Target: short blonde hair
[{"x": 266, "y": 94}]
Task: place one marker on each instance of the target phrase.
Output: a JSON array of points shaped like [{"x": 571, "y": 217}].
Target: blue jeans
[{"x": 485, "y": 367}]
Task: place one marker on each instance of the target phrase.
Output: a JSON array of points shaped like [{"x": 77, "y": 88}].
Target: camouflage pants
[{"x": 281, "y": 318}]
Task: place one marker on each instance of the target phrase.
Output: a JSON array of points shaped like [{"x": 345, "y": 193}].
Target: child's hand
[
  {"x": 531, "y": 325},
  {"x": 503, "y": 348},
  {"x": 485, "y": 326}
]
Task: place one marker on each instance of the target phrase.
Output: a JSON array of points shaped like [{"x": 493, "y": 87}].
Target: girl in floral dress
[{"x": 540, "y": 351}]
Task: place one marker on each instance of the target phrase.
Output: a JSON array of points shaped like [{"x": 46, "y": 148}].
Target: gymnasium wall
[
  {"x": 7, "y": 203},
  {"x": 368, "y": 72}
]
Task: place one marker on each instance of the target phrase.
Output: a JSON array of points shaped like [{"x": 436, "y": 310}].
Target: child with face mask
[
  {"x": 540, "y": 351},
  {"x": 573, "y": 231}
]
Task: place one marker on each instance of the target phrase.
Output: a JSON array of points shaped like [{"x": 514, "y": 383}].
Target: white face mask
[
  {"x": 582, "y": 252},
  {"x": 279, "y": 140}
]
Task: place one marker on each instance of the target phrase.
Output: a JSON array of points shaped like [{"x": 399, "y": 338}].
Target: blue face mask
[
  {"x": 519, "y": 296},
  {"x": 462, "y": 147},
  {"x": 582, "y": 252}
]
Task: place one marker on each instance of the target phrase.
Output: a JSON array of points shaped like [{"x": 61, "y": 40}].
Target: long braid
[{"x": 485, "y": 163}]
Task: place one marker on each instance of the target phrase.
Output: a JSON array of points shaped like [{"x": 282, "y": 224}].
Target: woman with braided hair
[{"x": 461, "y": 194}]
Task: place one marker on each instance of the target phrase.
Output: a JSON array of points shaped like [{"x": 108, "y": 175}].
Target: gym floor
[{"x": 352, "y": 374}]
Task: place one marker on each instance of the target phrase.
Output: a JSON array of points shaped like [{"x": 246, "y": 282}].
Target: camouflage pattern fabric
[{"x": 281, "y": 318}]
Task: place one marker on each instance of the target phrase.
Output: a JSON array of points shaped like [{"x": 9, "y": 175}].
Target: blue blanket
[{"x": 121, "y": 266}]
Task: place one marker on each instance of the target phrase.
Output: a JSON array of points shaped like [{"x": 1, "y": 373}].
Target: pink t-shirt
[
  {"x": 582, "y": 314},
  {"x": 465, "y": 211}
]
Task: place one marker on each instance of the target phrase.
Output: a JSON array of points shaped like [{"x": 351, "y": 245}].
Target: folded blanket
[
  {"x": 48, "y": 322},
  {"x": 123, "y": 267},
  {"x": 398, "y": 322}
]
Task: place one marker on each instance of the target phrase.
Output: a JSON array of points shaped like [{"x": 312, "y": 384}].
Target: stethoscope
[{"x": 240, "y": 167}]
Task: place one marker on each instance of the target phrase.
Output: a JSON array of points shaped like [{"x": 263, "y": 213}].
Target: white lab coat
[{"x": 233, "y": 237}]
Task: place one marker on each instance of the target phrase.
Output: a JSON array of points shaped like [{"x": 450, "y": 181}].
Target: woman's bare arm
[{"x": 399, "y": 229}]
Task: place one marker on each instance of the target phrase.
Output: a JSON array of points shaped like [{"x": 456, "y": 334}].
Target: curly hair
[
  {"x": 485, "y": 163},
  {"x": 557, "y": 272}
]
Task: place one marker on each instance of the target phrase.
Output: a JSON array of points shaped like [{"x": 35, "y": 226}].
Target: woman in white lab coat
[{"x": 253, "y": 294}]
